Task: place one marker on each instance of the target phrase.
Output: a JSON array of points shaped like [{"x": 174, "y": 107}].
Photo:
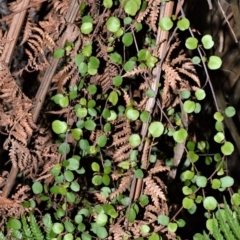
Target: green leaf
[
  {"x": 172, "y": 227},
  {"x": 37, "y": 188},
  {"x": 106, "y": 180},
  {"x": 163, "y": 220},
  {"x": 129, "y": 66},
  {"x": 200, "y": 94},
  {"x": 97, "y": 180},
  {"x": 86, "y": 236},
  {"x": 235, "y": 199},
  {"x": 214, "y": 62},
  {"x": 150, "y": 93},
  {"x": 87, "y": 50},
  {"x": 187, "y": 203},
  {"x": 76, "y": 133},
  {"x": 15, "y": 224},
  {"x": 144, "y": 116},
  {"x": 113, "y": 116},
  {"x": 93, "y": 62},
  {"x": 230, "y": 111},
  {"x": 188, "y": 175},
  {"x": 57, "y": 228},
  {"x": 219, "y": 137},
  {"x": 131, "y": 7},
  {"x": 59, "y": 126},
  {"x": 180, "y": 135},
  {"x": 95, "y": 167},
  {"x": 116, "y": 58},
  {"x": 58, "y": 53},
  {"x": 134, "y": 140},
  {"x": 56, "y": 98},
  {"x": 131, "y": 215},
  {"x": 156, "y": 129},
  {"x": 139, "y": 173},
  {"x": 102, "y": 140},
  {"x": 79, "y": 59},
  {"x": 218, "y": 116},
  {"x": 154, "y": 236},
  {"x": 181, "y": 223},
  {"x": 86, "y": 27},
  {"x": 83, "y": 68},
  {"x": 226, "y": 181},
  {"x": 69, "y": 176},
  {"x": 186, "y": 190},
  {"x": 127, "y": 39},
  {"x": 92, "y": 89},
  {"x": 81, "y": 112},
  {"x": 101, "y": 232},
  {"x": 210, "y": 203},
  {"x": 216, "y": 184},
  {"x": 189, "y": 106},
  {"x": 90, "y": 125},
  {"x": 117, "y": 81},
  {"x": 143, "y": 54},
  {"x": 145, "y": 229},
  {"x": 64, "y": 148},
  {"x": 102, "y": 219},
  {"x": 113, "y": 98},
  {"x": 192, "y": 156},
  {"x": 218, "y": 126},
  {"x": 166, "y": 23},
  {"x": 151, "y": 61},
  {"x": 207, "y": 41},
  {"x": 113, "y": 24},
  {"x": 227, "y": 148},
  {"x": 185, "y": 94},
  {"x": 183, "y": 24},
  {"x": 132, "y": 114},
  {"x": 201, "y": 181},
  {"x": 73, "y": 164},
  {"x": 191, "y": 43},
  {"x": 107, "y": 3},
  {"x": 144, "y": 200},
  {"x": 75, "y": 186},
  {"x": 196, "y": 60}
]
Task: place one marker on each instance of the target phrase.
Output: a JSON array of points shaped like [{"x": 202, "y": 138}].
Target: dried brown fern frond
[
  {"x": 124, "y": 184},
  {"x": 10, "y": 208},
  {"x": 155, "y": 191},
  {"x": 117, "y": 231},
  {"x": 136, "y": 71},
  {"x": 180, "y": 74},
  {"x": 105, "y": 79}
]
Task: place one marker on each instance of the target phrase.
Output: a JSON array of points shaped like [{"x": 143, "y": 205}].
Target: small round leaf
[
  {"x": 183, "y": 24},
  {"x": 166, "y": 23},
  {"x": 113, "y": 24},
  {"x": 191, "y": 43},
  {"x": 210, "y": 203},
  {"x": 156, "y": 129},
  {"x": 214, "y": 62},
  {"x": 135, "y": 140},
  {"x": 227, "y": 148},
  {"x": 230, "y": 111}
]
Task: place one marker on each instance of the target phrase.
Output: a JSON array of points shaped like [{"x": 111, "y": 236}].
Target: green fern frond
[
  {"x": 233, "y": 222},
  {"x": 36, "y": 231},
  {"x": 237, "y": 211},
  {"x": 2, "y": 236},
  {"x": 224, "y": 225},
  {"x": 27, "y": 233},
  {"x": 216, "y": 232},
  {"x": 47, "y": 221},
  {"x": 16, "y": 234},
  {"x": 205, "y": 236}
]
